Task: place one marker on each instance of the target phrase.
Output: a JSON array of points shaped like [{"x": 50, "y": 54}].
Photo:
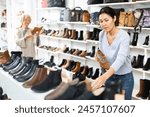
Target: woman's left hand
[{"x": 98, "y": 82}]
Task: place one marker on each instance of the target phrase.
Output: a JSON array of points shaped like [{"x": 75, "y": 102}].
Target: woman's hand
[
  {"x": 29, "y": 37},
  {"x": 98, "y": 82}
]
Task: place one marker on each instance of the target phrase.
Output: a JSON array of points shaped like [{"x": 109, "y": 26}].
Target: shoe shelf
[
  {"x": 93, "y": 42},
  {"x": 48, "y": 51},
  {"x": 72, "y": 23},
  {"x": 139, "y": 47},
  {"x": 72, "y": 56},
  {"x": 50, "y": 8},
  {"x": 16, "y": 91},
  {"x": 120, "y": 4},
  {"x": 141, "y": 70}
]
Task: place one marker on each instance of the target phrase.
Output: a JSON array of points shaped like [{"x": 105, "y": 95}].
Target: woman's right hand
[{"x": 29, "y": 37}]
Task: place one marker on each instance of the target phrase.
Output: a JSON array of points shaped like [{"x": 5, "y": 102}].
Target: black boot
[
  {"x": 81, "y": 35},
  {"x": 50, "y": 63},
  {"x": 146, "y": 89},
  {"x": 97, "y": 35},
  {"x": 30, "y": 73},
  {"x": 146, "y": 42},
  {"x": 147, "y": 65},
  {"x": 90, "y": 73},
  {"x": 96, "y": 74},
  {"x": 139, "y": 63},
  {"x": 1, "y": 91},
  {"x": 52, "y": 80},
  {"x": 20, "y": 67},
  {"x": 93, "y": 51},
  {"x": 133, "y": 61},
  {"x": 135, "y": 38}
]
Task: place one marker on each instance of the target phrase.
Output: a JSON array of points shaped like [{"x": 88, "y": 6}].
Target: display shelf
[
  {"x": 16, "y": 91},
  {"x": 119, "y": 4},
  {"x": 48, "y": 51}
]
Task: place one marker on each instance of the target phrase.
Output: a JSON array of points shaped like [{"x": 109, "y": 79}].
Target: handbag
[
  {"x": 75, "y": 14},
  {"x": 56, "y": 3},
  {"x": 85, "y": 16}
]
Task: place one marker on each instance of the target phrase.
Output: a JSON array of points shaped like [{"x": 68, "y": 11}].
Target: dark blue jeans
[{"x": 127, "y": 83}]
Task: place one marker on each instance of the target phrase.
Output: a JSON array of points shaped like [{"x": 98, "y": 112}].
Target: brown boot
[
  {"x": 101, "y": 58},
  {"x": 77, "y": 68},
  {"x": 83, "y": 53},
  {"x": 39, "y": 76},
  {"x": 4, "y": 57}
]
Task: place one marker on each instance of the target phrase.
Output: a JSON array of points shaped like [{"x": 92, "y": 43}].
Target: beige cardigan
[{"x": 27, "y": 46}]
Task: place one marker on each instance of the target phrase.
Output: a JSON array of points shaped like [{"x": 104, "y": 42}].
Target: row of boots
[
  {"x": 135, "y": 40},
  {"x": 74, "y": 34},
  {"x": 138, "y": 62}
]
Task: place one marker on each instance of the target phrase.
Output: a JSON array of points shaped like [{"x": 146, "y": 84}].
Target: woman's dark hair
[{"x": 108, "y": 10}]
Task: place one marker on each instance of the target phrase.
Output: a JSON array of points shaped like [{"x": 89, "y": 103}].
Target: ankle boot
[
  {"x": 50, "y": 63},
  {"x": 26, "y": 67},
  {"x": 133, "y": 61},
  {"x": 139, "y": 63},
  {"x": 146, "y": 42},
  {"x": 73, "y": 35},
  {"x": 71, "y": 65},
  {"x": 4, "y": 57},
  {"x": 89, "y": 75},
  {"x": 85, "y": 70},
  {"x": 64, "y": 61},
  {"x": 146, "y": 89},
  {"x": 146, "y": 67},
  {"x": 13, "y": 56},
  {"x": 141, "y": 90},
  {"x": 28, "y": 74},
  {"x": 135, "y": 38},
  {"x": 97, "y": 35},
  {"x": 96, "y": 74},
  {"x": 77, "y": 67},
  {"x": 51, "y": 81},
  {"x": 81, "y": 35},
  {"x": 1, "y": 91},
  {"x": 76, "y": 35},
  {"x": 40, "y": 75},
  {"x": 94, "y": 34},
  {"x": 83, "y": 53},
  {"x": 93, "y": 51}
]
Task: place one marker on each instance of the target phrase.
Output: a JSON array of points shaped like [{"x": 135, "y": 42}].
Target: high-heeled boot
[
  {"x": 139, "y": 63},
  {"x": 141, "y": 90},
  {"x": 146, "y": 42},
  {"x": 81, "y": 35},
  {"x": 135, "y": 38}
]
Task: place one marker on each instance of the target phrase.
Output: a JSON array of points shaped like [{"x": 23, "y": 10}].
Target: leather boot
[
  {"x": 20, "y": 66},
  {"x": 50, "y": 63},
  {"x": 93, "y": 51},
  {"x": 146, "y": 42},
  {"x": 85, "y": 70},
  {"x": 73, "y": 35},
  {"x": 40, "y": 75},
  {"x": 77, "y": 67},
  {"x": 94, "y": 34},
  {"x": 76, "y": 35},
  {"x": 28, "y": 74},
  {"x": 66, "y": 35},
  {"x": 51, "y": 81},
  {"x": 146, "y": 89},
  {"x": 97, "y": 35},
  {"x": 141, "y": 91},
  {"x": 71, "y": 65},
  {"x": 139, "y": 63},
  {"x": 13, "y": 56},
  {"x": 96, "y": 74},
  {"x": 135, "y": 38},
  {"x": 81, "y": 35},
  {"x": 90, "y": 73},
  {"x": 26, "y": 67},
  {"x": 101, "y": 58},
  {"x": 133, "y": 61},
  {"x": 67, "y": 64},
  {"x": 1, "y": 91},
  {"x": 83, "y": 53},
  {"x": 146, "y": 67},
  {"x": 64, "y": 61},
  {"x": 86, "y": 35},
  {"x": 4, "y": 57}
]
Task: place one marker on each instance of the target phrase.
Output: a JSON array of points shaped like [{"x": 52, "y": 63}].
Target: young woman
[
  {"x": 114, "y": 43},
  {"x": 25, "y": 40}
]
